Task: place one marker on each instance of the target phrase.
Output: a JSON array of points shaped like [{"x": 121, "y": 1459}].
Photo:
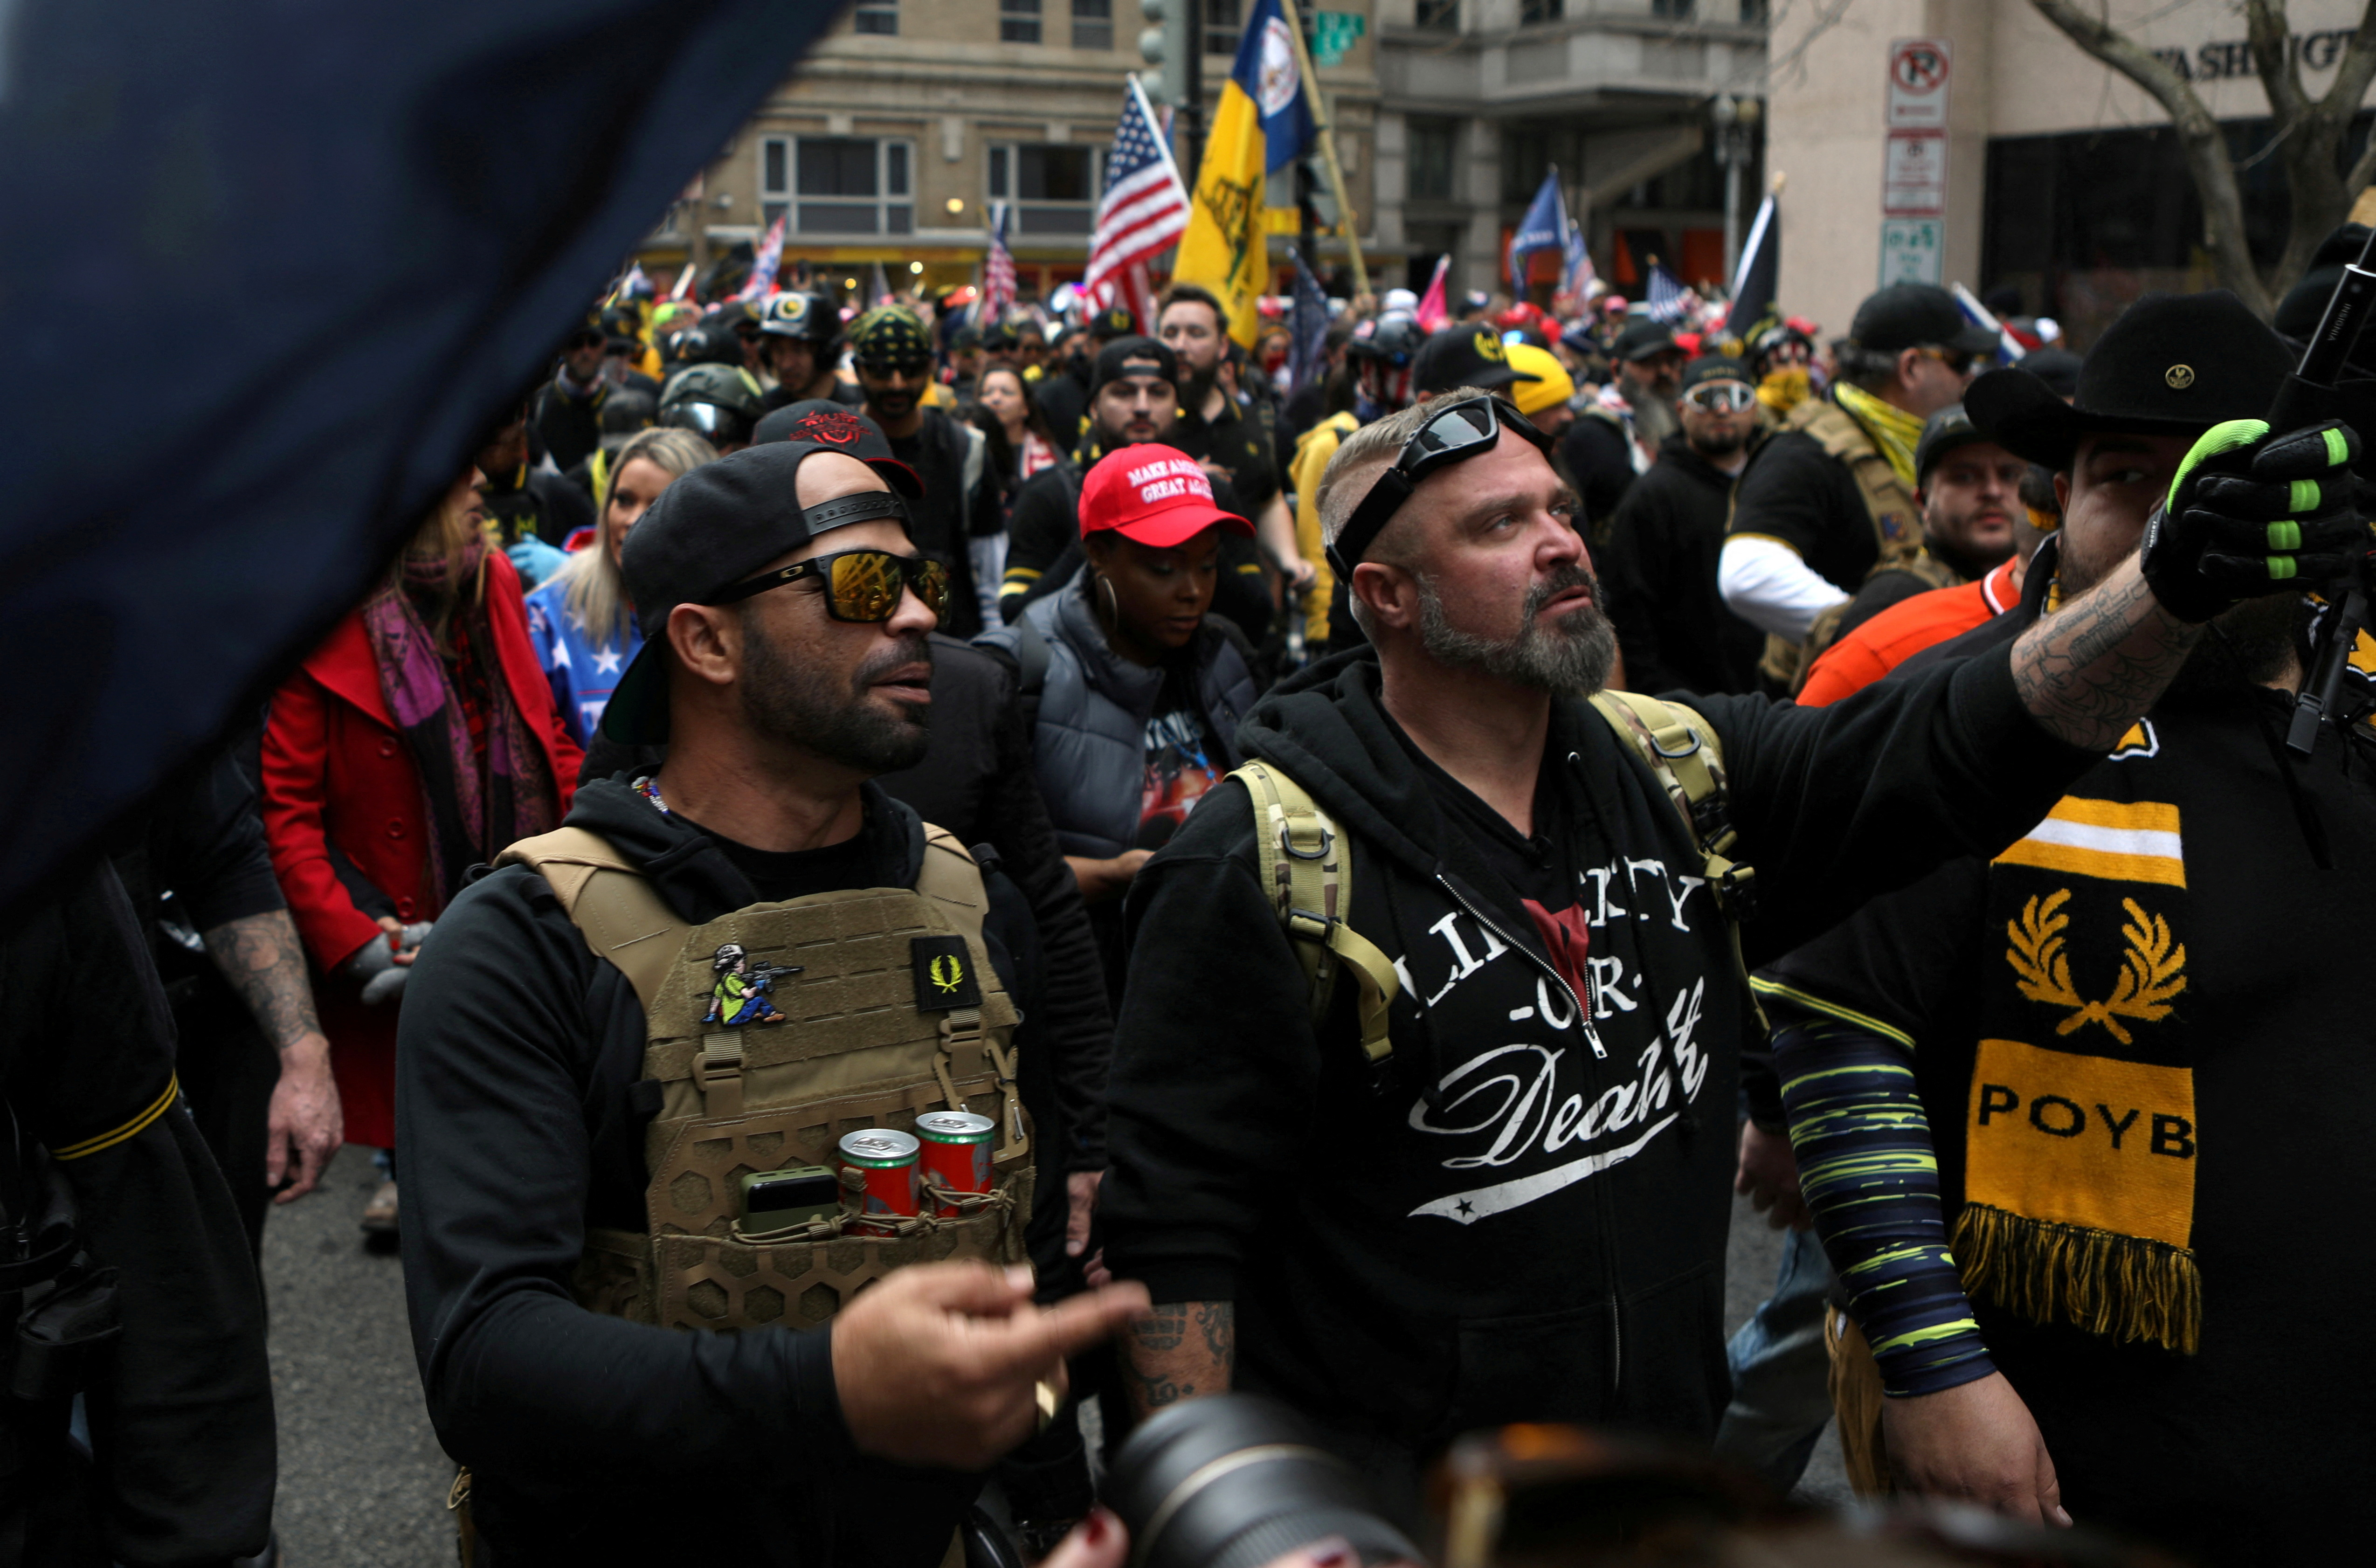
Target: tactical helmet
[
  {"x": 1394, "y": 338},
  {"x": 720, "y": 401},
  {"x": 809, "y": 318}
]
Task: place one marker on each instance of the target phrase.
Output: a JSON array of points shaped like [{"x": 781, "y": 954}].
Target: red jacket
[{"x": 336, "y": 771}]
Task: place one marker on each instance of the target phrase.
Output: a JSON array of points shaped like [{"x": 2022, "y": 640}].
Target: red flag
[{"x": 1433, "y": 312}]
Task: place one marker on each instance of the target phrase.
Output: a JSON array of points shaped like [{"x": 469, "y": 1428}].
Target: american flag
[
  {"x": 763, "y": 268},
  {"x": 997, "y": 272},
  {"x": 1669, "y": 301},
  {"x": 1143, "y": 213}
]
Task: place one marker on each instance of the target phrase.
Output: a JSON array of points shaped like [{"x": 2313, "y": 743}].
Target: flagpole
[{"x": 1328, "y": 139}]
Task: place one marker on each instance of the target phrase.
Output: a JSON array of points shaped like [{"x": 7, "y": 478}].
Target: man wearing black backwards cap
[
  {"x": 894, "y": 356},
  {"x": 1618, "y": 436},
  {"x": 1969, "y": 490},
  {"x": 785, "y": 664},
  {"x": 1134, "y": 400},
  {"x": 1661, "y": 556},
  {"x": 1490, "y": 1187},
  {"x": 1834, "y": 493},
  {"x": 2074, "y": 1118},
  {"x": 1063, "y": 395}
]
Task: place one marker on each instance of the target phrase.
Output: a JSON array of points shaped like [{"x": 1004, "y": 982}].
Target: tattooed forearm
[
  {"x": 1186, "y": 1350},
  {"x": 261, "y": 957},
  {"x": 2093, "y": 668}
]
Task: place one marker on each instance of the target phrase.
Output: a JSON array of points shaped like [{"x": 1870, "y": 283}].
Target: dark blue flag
[
  {"x": 1307, "y": 343},
  {"x": 270, "y": 270}
]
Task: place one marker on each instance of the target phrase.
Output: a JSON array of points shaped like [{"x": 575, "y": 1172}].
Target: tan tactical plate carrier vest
[
  {"x": 854, "y": 1050},
  {"x": 1896, "y": 521}
]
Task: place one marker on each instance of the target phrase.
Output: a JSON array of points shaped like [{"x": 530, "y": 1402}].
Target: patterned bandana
[{"x": 891, "y": 336}]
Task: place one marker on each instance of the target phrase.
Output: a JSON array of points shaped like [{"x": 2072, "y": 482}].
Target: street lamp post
[{"x": 1736, "y": 129}]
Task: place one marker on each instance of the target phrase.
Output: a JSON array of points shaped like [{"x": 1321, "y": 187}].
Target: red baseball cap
[{"x": 1154, "y": 494}]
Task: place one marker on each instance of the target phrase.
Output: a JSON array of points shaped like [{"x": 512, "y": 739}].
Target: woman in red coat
[{"x": 419, "y": 739}]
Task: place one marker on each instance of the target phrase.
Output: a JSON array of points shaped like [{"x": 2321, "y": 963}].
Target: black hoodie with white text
[{"x": 1524, "y": 1216}]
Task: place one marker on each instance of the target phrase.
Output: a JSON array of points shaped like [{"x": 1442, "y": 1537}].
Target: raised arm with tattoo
[
  {"x": 261, "y": 958},
  {"x": 2220, "y": 536},
  {"x": 1186, "y": 1350}
]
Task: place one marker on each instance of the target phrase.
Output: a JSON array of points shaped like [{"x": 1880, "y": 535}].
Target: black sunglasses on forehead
[{"x": 1465, "y": 429}]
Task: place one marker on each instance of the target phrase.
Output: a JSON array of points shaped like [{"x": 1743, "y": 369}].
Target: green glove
[{"x": 2252, "y": 513}]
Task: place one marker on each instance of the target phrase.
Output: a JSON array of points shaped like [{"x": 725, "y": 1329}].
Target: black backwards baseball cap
[
  {"x": 1943, "y": 433},
  {"x": 1464, "y": 356},
  {"x": 2173, "y": 364},
  {"x": 1643, "y": 339},
  {"x": 1915, "y": 316},
  {"x": 723, "y": 521},
  {"x": 1123, "y": 352}
]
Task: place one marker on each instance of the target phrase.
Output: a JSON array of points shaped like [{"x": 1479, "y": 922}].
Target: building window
[
  {"x": 1224, "y": 19},
  {"x": 1752, "y": 13},
  {"x": 838, "y": 184},
  {"x": 1093, "y": 24},
  {"x": 876, "y": 17},
  {"x": 1053, "y": 186},
  {"x": 1534, "y": 13},
  {"x": 1438, "y": 15},
  {"x": 1674, "y": 10},
  {"x": 1432, "y": 142},
  {"x": 1018, "y": 21}
]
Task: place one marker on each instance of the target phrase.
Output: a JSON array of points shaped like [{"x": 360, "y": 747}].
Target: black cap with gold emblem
[
  {"x": 1464, "y": 356},
  {"x": 2173, "y": 364}
]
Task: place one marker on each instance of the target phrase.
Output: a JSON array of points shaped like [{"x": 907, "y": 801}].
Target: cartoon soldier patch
[{"x": 738, "y": 988}]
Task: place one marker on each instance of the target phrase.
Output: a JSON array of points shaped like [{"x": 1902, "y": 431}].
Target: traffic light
[{"x": 1165, "y": 46}]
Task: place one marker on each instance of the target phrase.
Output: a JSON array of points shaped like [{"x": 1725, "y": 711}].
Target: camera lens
[{"x": 1233, "y": 1482}]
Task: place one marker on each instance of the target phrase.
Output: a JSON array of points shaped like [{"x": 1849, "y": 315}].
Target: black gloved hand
[{"x": 2240, "y": 523}]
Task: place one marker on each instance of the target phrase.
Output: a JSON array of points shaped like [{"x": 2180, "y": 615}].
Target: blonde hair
[
  {"x": 1373, "y": 448},
  {"x": 446, "y": 533},
  {"x": 591, "y": 590}
]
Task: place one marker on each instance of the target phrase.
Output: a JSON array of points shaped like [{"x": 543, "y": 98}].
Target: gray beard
[
  {"x": 1573, "y": 660},
  {"x": 783, "y": 698}
]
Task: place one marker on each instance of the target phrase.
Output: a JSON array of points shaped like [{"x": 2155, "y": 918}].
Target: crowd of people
[{"x": 1377, "y": 857}]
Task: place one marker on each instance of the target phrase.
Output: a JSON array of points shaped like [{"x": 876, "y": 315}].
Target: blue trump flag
[
  {"x": 1544, "y": 228},
  {"x": 366, "y": 228}
]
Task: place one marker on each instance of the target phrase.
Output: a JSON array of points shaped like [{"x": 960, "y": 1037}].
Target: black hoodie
[
  {"x": 520, "y": 1115},
  {"x": 1527, "y": 1219}
]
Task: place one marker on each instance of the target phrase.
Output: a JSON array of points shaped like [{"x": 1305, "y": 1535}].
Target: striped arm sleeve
[{"x": 1871, "y": 1181}]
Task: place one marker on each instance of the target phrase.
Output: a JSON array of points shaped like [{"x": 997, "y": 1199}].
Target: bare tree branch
[{"x": 2198, "y": 136}]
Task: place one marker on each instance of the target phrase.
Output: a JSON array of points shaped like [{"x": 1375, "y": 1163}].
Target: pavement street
[{"x": 363, "y": 1482}]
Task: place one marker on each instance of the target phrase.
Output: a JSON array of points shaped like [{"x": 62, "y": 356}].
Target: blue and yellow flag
[{"x": 1263, "y": 123}]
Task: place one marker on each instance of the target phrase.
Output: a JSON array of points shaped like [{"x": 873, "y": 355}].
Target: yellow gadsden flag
[{"x": 1263, "y": 123}]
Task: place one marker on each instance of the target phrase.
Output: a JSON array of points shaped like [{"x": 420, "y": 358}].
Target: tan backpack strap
[
  {"x": 951, "y": 877},
  {"x": 1684, "y": 753},
  {"x": 1306, "y": 864},
  {"x": 612, "y": 903}
]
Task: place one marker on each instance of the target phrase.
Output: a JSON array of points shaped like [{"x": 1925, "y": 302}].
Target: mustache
[
  {"x": 1576, "y": 574},
  {"x": 907, "y": 650}
]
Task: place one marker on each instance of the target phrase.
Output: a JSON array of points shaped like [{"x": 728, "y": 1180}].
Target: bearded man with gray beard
[{"x": 1512, "y": 1206}]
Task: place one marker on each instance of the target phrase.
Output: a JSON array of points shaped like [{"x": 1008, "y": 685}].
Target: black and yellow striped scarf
[{"x": 2080, "y": 1124}]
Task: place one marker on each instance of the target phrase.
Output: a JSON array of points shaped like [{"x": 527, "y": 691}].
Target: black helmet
[
  {"x": 810, "y": 318},
  {"x": 720, "y": 401},
  {"x": 622, "y": 326},
  {"x": 1394, "y": 338},
  {"x": 626, "y": 410},
  {"x": 712, "y": 343}
]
